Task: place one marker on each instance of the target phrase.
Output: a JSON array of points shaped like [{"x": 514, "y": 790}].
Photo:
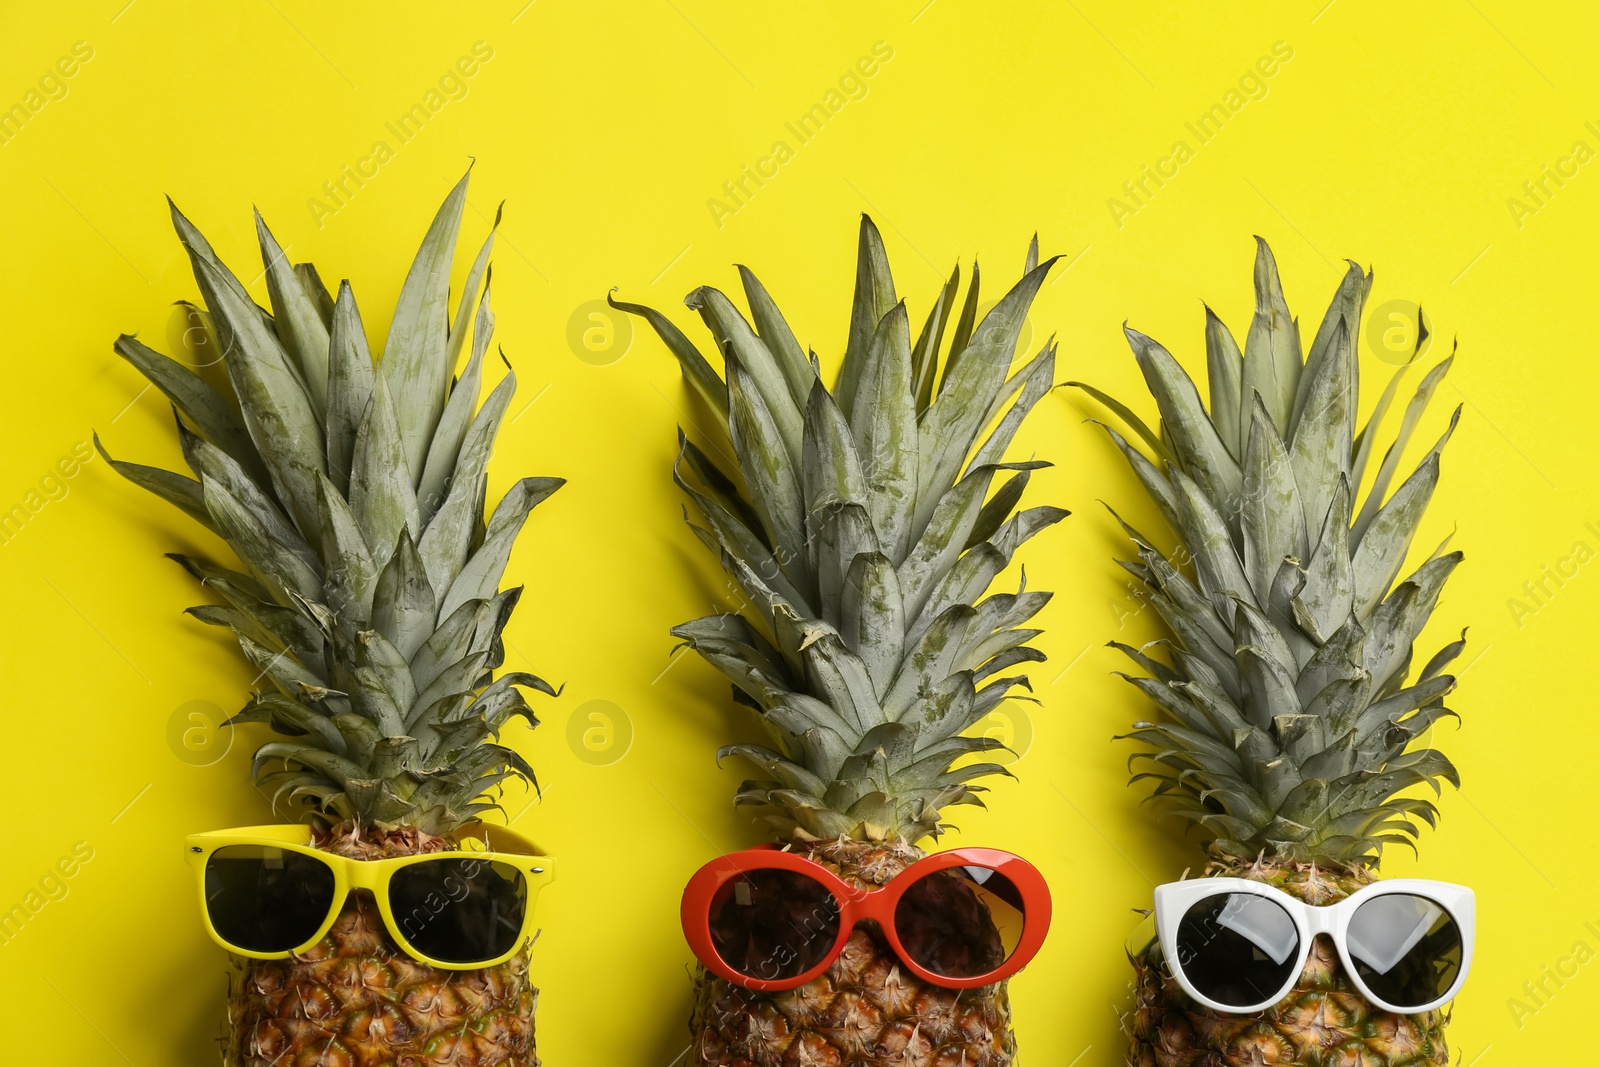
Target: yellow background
[{"x": 1395, "y": 135}]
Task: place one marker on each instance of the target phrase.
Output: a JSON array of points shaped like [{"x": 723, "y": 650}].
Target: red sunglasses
[{"x": 769, "y": 920}]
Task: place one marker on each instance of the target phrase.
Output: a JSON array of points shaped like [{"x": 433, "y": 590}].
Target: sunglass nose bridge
[
  {"x": 869, "y": 924},
  {"x": 1322, "y": 946},
  {"x": 855, "y": 892}
]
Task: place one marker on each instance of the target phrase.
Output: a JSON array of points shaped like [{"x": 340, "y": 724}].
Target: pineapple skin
[
  {"x": 357, "y": 1000},
  {"x": 1323, "y": 1022},
  {"x": 865, "y": 1009}
]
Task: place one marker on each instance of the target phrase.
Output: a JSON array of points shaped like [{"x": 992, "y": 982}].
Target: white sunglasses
[{"x": 1238, "y": 946}]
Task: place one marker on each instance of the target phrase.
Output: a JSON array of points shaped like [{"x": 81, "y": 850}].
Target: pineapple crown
[
  {"x": 352, "y": 492},
  {"x": 862, "y": 534},
  {"x": 1287, "y": 720}
]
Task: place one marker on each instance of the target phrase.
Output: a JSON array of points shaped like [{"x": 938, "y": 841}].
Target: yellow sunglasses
[{"x": 266, "y": 892}]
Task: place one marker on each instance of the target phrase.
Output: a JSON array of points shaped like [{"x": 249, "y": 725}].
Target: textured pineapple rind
[
  {"x": 1323, "y": 1022},
  {"x": 357, "y": 999},
  {"x": 866, "y": 1009}
]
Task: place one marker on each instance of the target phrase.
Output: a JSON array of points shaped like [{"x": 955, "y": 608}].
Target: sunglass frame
[
  {"x": 857, "y": 905},
  {"x": 508, "y": 847},
  {"x": 1173, "y": 901}
]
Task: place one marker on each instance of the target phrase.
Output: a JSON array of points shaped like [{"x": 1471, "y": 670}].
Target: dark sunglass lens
[
  {"x": 1239, "y": 949},
  {"x": 1407, "y": 949},
  {"x": 267, "y": 899},
  {"x": 960, "y": 922},
  {"x": 772, "y": 924},
  {"x": 459, "y": 909}
]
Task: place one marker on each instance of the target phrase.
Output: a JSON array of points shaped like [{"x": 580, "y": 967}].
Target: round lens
[
  {"x": 1406, "y": 949},
  {"x": 459, "y": 909},
  {"x": 772, "y": 924},
  {"x": 1238, "y": 949},
  {"x": 267, "y": 899},
  {"x": 961, "y": 922}
]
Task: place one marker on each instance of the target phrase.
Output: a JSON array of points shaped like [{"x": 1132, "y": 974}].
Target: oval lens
[
  {"x": 1238, "y": 949},
  {"x": 961, "y": 922},
  {"x": 1407, "y": 949},
  {"x": 267, "y": 899},
  {"x": 459, "y": 909},
  {"x": 772, "y": 924}
]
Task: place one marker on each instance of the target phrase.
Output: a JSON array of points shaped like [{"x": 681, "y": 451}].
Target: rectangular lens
[
  {"x": 459, "y": 909},
  {"x": 267, "y": 899}
]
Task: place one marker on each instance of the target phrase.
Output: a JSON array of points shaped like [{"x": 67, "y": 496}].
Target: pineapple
[
  {"x": 860, "y": 533},
  {"x": 352, "y": 492},
  {"x": 1286, "y": 708}
]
